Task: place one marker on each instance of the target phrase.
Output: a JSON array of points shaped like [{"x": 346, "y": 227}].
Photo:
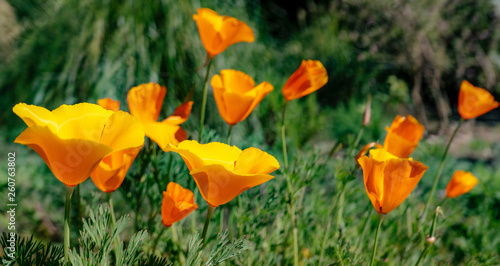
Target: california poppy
[
  {"x": 389, "y": 179},
  {"x": 236, "y": 95},
  {"x": 73, "y": 139},
  {"x": 109, "y": 104},
  {"x": 403, "y": 136},
  {"x": 222, "y": 172},
  {"x": 461, "y": 183},
  {"x": 145, "y": 102},
  {"x": 474, "y": 101},
  {"x": 308, "y": 78},
  {"x": 219, "y": 32},
  {"x": 177, "y": 203}
]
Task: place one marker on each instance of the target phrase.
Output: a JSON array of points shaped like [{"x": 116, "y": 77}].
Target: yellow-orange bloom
[
  {"x": 222, "y": 172},
  {"x": 236, "y": 95},
  {"x": 177, "y": 203},
  {"x": 109, "y": 104},
  {"x": 145, "y": 102},
  {"x": 461, "y": 183},
  {"x": 389, "y": 179},
  {"x": 403, "y": 136},
  {"x": 308, "y": 78},
  {"x": 219, "y": 32},
  {"x": 474, "y": 101},
  {"x": 73, "y": 139}
]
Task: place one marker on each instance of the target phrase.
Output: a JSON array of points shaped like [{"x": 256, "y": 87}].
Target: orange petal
[
  {"x": 461, "y": 183},
  {"x": 401, "y": 176},
  {"x": 177, "y": 203},
  {"x": 236, "y": 96},
  {"x": 219, "y": 32},
  {"x": 34, "y": 115},
  {"x": 308, "y": 78},
  {"x": 373, "y": 178},
  {"x": 403, "y": 136},
  {"x": 111, "y": 171},
  {"x": 196, "y": 155},
  {"x": 71, "y": 160},
  {"x": 164, "y": 133},
  {"x": 109, "y": 104},
  {"x": 181, "y": 114},
  {"x": 255, "y": 161},
  {"x": 218, "y": 185},
  {"x": 122, "y": 131},
  {"x": 145, "y": 101},
  {"x": 474, "y": 101}
]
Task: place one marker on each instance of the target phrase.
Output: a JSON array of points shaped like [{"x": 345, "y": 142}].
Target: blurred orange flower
[
  {"x": 222, "y": 172},
  {"x": 308, "y": 78},
  {"x": 389, "y": 179},
  {"x": 145, "y": 102},
  {"x": 178, "y": 203},
  {"x": 73, "y": 139},
  {"x": 461, "y": 183},
  {"x": 236, "y": 95},
  {"x": 109, "y": 104},
  {"x": 403, "y": 136},
  {"x": 219, "y": 32},
  {"x": 474, "y": 101}
]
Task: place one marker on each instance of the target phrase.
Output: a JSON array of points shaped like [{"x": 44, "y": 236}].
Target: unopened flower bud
[
  {"x": 431, "y": 239},
  {"x": 367, "y": 114}
]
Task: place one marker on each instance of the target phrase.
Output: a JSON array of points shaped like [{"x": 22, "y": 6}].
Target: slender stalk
[
  {"x": 113, "y": 223},
  {"x": 438, "y": 174},
  {"x": 79, "y": 207},
  {"x": 170, "y": 158},
  {"x": 429, "y": 243},
  {"x": 375, "y": 242},
  {"x": 155, "y": 244},
  {"x": 291, "y": 207},
  {"x": 358, "y": 138},
  {"x": 333, "y": 206},
  {"x": 210, "y": 211},
  {"x": 229, "y": 135},
  {"x": 67, "y": 214},
  {"x": 283, "y": 138},
  {"x": 365, "y": 228},
  {"x": 204, "y": 101}
]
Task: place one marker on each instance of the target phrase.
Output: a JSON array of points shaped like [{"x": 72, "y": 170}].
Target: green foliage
[
  {"x": 98, "y": 236},
  {"x": 30, "y": 252}
]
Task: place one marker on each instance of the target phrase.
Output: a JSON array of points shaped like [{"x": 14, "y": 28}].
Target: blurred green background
[{"x": 410, "y": 56}]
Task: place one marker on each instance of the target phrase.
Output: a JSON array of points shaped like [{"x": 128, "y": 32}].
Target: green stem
[
  {"x": 358, "y": 138},
  {"x": 438, "y": 174},
  {"x": 210, "y": 211},
  {"x": 380, "y": 219},
  {"x": 431, "y": 234},
  {"x": 283, "y": 138},
  {"x": 365, "y": 228},
  {"x": 155, "y": 244},
  {"x": 79, "y": 207},
  {"x": 291, "y": 207},
  {"x": 170, "y": 158},
  {"x": 113, "y": 223},
  {"x": 204, "y": 101},
  {"x": 229, "y": 135},
  {"x": 333, "y": 206},
  {"x": 67, "y": 214}
]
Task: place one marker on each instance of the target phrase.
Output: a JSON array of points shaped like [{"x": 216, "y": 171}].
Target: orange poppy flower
[
  {"x": 219, "y": 32},
  {"x": 222, "y": 172},
  {"x": 73, "y": 139},
  {"x": 403, "y": 136},
  {"x": 109, "y": 104},
  {"x": 474, "y": 101},
  {"x": 236, "y": 95},
  {"x": 461, "y": 183},
  {"x": 177, "y": 203},
  {"x": 389, "y": 179},
  {"x": 308, "y": 78},
  {"x": 145, "y": 102}
]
